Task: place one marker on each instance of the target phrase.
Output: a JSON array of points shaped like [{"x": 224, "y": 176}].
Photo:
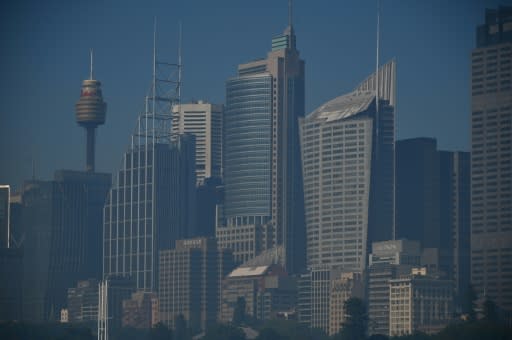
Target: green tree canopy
[
  {"x": 356, "y": 320},
  {"x": 239, "y": 311},
  {"x": 224, "y": 332}
]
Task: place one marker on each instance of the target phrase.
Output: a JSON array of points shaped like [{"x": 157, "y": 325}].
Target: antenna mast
[
  {"x": 180, "y": 40},
  {"x": 377, "y": 59},
  {"x": 91, "y": 67},
  {"x": 290, "y": 13}
]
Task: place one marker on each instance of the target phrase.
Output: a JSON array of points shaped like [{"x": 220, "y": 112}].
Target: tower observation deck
[{"x": 91, "y": 111}]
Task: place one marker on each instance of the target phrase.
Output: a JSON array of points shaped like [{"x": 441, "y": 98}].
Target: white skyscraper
[{"x": 204, "y": 120}]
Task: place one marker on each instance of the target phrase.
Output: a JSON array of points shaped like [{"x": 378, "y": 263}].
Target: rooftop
[
  {"x": 344, "y": 107},
  {"x": 249, "y": 271}
]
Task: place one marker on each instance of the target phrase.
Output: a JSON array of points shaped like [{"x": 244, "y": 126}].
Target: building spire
[
  {"x": 290, "y": 13},
  {"x": 91, "y": 52},
  {"x": 377, "y": 58}
]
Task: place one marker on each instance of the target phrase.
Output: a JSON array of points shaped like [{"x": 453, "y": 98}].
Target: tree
[
  {"x": 239, "y": 311},
  {"x": 469, "y": 303},
  {"x": 356, "y": 320},
  {"x": 181, "y": 330},
  {"x": 291, "y": 329},
  {"x": 490, "y": 311},
  {"x": 270, "y": 334},
  {"x": 224, "y": 332},
  {"x": 160, "y": 332}
]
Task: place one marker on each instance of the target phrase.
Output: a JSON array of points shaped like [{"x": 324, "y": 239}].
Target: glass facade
[
  {"x": 149, "y": 207},
  {"x": 247, "y": 150}
]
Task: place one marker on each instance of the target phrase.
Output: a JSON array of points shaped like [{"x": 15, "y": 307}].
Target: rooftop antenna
[
  {"x": 33, "y": 169},
  {"x": 153, "y": 85},
  {"x": 290, "y": 13},
  {"x": 180, "y": 40},
  {"x": 92, "y": 60},
  {"x": 377, "y": 61}
]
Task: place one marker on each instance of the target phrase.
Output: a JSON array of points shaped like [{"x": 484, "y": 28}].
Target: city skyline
[
  {"x": 263, "y": 205},
  {"x": 323, "y": 46}
]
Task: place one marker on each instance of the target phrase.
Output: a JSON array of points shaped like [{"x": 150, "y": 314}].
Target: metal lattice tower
[
  {"x": 154, "y": 124},
  {"x": 130, "y": 209}
]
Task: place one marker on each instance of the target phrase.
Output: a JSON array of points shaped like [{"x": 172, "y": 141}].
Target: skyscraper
[
  {"x": 491, "y": 157},
  {"x": 204, "y": 121},
  {"x": 150, "y": 205},
  {"x": 455, "y": 216},
  {"x": 348, "y": 165},
  {"x": 261, "y": 155},
  {"x": 432, "y": 201},
  {"x": 417, "y": 191},
  {"x": 152, "y": 200},
  {"x": 62, "y": 221},
  {"x": 5, "y": 207}
]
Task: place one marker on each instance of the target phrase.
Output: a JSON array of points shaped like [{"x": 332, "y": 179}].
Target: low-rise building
[
  {"x": 83, "y": 301},
  {"x": 419, "y": 302},
  {"x": 344, "y": 287},
  {"x": 189, "y": 281},
  {"x": 141, "y": 310},
  {"x": 267, "y": 290},
  {"x": 388, "y": 260}
]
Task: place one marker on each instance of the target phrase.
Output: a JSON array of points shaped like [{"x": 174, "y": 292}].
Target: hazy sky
[{"x": 44, "y": 58}]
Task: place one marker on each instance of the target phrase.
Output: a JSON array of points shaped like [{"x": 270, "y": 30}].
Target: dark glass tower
[
  {"x": 261, "y": 154},
  {"x": 62, "y": 223},
  {"x": 150, "y": 206}
]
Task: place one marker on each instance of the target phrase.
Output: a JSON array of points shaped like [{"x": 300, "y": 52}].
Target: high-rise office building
[
  {"x": 204, "y": 121},
  {"x": 11, "y": 272},
  {"x": 432, "y": 201},
  {"x": 16, "y": 232},
  {"x": 209, "y": 195},
  {"x": 189, "y": 282},
  {"x": 62, "y": 223},
  {"x": 348, "y": 165},
  {"x": 417, "y": 191},
  {"x": 5, "y": 207},
  {"x": 261, "y": 155},
  {"x": 455, "y": 216},
  {"x": 491, "y": 157},
  {"x": 150, "y": 205}
]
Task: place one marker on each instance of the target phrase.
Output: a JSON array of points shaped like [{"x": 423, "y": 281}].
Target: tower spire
[
  {"x": 377, "y": 58},
  {"x": 91, "y": 52},
  {"x": 290, "y": 16},
  {"x": 180, "y": 42}
]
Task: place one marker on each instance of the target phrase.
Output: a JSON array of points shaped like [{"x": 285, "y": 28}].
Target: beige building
[
  {"x": 141, "y": 310},
  {"x": 344, "y": 287},
  {"x": 418, "y": 302},
  {"x": 189, "y": 281},
  {"x": 267, "y": 290},
  {"x": 204, "y": 121}
]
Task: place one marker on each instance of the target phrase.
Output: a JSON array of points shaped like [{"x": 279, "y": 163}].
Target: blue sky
[{"x": 44, "y": 58}]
